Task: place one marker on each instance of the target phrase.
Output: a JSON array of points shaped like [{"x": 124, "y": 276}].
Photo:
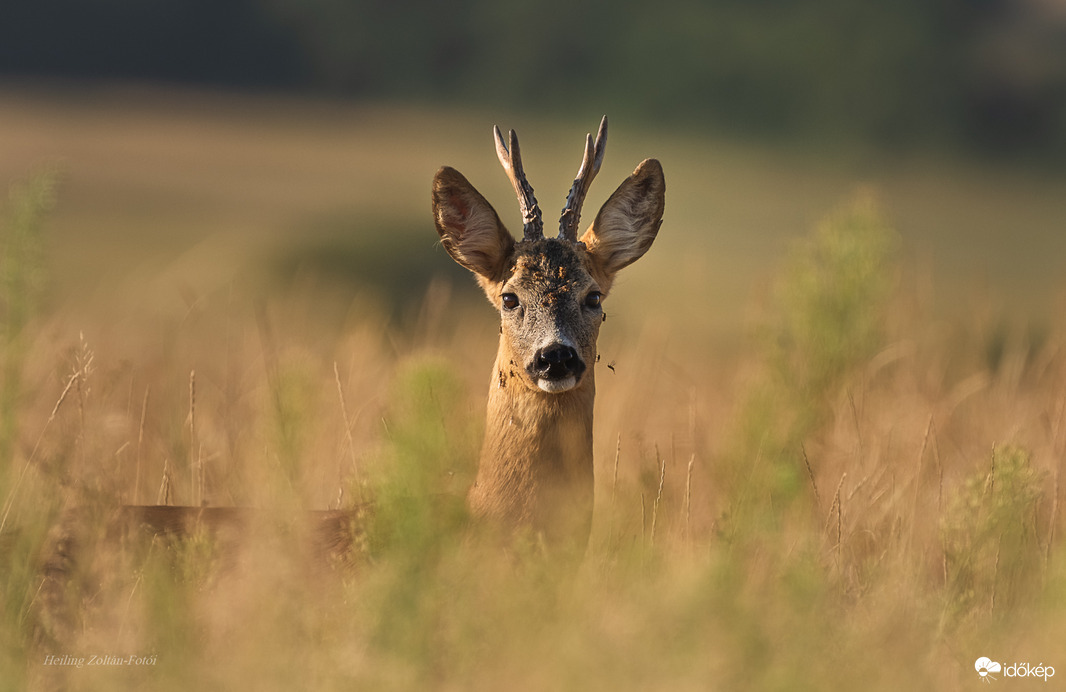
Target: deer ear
[
  {"x": 470, "y": 229},
  {"x": 629, "y": 221}
]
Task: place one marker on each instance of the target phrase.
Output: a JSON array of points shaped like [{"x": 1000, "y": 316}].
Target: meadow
[{"x": 830, "y": 422}]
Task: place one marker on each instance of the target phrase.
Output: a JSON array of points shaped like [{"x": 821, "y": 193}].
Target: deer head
[{"x": 550, "y": 293}]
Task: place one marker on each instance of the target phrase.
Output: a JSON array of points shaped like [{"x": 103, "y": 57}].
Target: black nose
[{"x": 557, "y": 362}]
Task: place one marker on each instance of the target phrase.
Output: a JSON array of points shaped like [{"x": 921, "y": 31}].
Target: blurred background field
[
  {"x": 829, "y": 444},
  {"x": 169, "y": 187}
]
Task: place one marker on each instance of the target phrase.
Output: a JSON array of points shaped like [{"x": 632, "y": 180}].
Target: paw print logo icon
[{"x": 985, "y": 667}]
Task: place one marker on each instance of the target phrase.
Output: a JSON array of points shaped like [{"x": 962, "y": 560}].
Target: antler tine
[
  {"x": 590, "y": 166},
  {"x": 511, "y": 160}
]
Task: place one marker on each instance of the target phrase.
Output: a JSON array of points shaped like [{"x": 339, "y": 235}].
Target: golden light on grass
[{"x": 809, "y": 506}]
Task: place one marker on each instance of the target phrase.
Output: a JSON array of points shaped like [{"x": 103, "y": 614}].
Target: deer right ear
[
  {"x": 629, "y": 220},
  {"x": 470, "y": 229}
]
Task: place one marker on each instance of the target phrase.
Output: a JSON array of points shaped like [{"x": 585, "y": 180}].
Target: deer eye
[
  {"x": 510, "y": 301},
  {"x": 593, "y": 299}
]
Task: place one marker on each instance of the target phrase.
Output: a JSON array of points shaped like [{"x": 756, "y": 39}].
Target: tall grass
[
  {"x": 825, "y": 321},
  {"x": 22, "y": 279},
  {"x": 21, "y": 532},
  {"x": 995, "y": 536},
  {"x": 877, "y": 509}
]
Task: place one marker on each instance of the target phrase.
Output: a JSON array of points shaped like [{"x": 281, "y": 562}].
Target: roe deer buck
[{"x": 536, "y": 467}]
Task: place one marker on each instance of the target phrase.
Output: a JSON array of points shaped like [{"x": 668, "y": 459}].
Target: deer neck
[{"x": 536, "y": 469}]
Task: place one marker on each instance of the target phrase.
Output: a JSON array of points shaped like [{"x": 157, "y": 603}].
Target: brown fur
[{"x": 536, "y": 465}]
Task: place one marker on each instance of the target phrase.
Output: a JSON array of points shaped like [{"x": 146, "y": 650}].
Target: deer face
[
  {"x": 549, "y": 290},
  {"x": 550, "y": 315}
]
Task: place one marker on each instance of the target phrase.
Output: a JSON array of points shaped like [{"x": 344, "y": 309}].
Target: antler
[
  {"x": 511, "y": 160},
  {"x": 590, "y": 166}
]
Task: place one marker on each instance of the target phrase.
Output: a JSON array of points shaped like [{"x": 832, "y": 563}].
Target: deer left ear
[{"x": 629, "y": 221}]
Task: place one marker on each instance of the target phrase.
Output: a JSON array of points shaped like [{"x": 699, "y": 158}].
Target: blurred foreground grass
[{"x": 863, "y": 491}]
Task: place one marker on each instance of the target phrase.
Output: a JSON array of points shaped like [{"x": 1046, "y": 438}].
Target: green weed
[
  {"x": 993, "y": 543},
  {"x": 825, "y": 321},
  {"x": 22, "y": 284}
]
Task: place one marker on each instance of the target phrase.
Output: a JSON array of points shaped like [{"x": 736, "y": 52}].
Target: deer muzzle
[{"x": 557, "y": 368}]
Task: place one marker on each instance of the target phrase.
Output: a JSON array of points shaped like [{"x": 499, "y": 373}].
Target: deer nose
[{"x": 558, "y": 361}]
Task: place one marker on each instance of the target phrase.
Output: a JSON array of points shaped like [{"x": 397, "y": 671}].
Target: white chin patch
[{"x": 556, "y": 386}]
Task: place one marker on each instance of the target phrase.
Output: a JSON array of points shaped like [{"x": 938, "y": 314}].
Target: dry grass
[{"x": 867, "y": 493}]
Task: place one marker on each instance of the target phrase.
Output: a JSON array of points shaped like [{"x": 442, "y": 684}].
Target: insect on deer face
[{"x": 549, "y": 291}]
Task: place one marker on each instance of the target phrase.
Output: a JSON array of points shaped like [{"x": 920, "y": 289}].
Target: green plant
[
  {"x": 22, "y": 282},
  {"x": 992, "y": 542},
  {"x": 428, "y": 450},
  {"x": 825, "y": 320}
]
